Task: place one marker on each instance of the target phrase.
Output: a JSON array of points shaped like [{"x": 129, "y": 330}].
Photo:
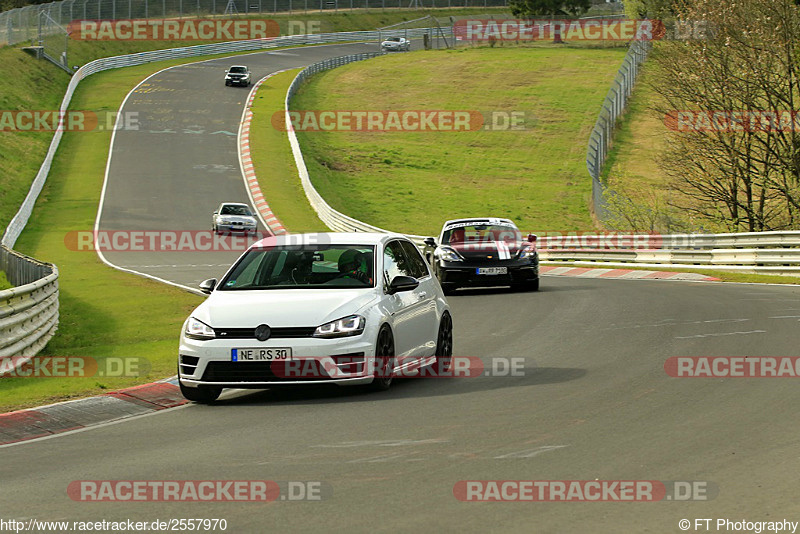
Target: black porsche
[{"x": 483, "y": 252}]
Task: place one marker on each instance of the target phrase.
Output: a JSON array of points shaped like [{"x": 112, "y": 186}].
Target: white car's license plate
[
  {"x": 261, "y": 355},
  {"x": 491, "y": 270}
]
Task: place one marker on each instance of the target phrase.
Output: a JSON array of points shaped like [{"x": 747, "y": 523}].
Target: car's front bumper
[
  {"x": 237, "y": 81},
  {"x": 342, "y": 361},
  {"x": 466, "y": 273},
  {"x": 235, "y": 228}
]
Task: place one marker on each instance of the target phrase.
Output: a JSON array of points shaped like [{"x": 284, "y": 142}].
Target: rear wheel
[
  {"x": 444, "y": 346},
  {"x": 201, "y": 394},
  {"x": 384, "y": 360}
]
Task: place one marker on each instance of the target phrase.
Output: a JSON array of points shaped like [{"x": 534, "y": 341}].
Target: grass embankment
[
  {"x": 413, "y": 181},
  {"x": 38, "y": 85},
  {"x": 632, "y": 164},
  {"x": 273, "y": 160}
]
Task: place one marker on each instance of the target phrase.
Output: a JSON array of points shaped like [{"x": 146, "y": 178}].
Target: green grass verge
[
  {"x": 4, "y": 283},
  {"x": 413, "y": 181},
  {"x": 632, "y": 163},
  {"x": 273, "y": 160}
]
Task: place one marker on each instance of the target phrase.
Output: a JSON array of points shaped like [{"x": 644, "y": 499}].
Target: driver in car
[{"x": 354, "y": 264}]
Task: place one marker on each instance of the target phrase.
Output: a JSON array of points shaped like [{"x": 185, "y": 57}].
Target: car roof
[
  {"x": 234, "y": 204},
  {"x": 328, "y": 238},
  {"x": 240, "y": 66},
  {"x": 479, "y": 220}
]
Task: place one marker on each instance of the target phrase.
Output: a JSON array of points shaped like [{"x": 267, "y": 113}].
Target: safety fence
[
  {"x": 24, "y": 24},
  {"x": 28, "y": 311},
  {"x": 603, "y": 131},
  {"x": 756, "y": 252}
]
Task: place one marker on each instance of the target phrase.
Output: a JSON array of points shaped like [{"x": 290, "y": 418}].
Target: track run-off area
[{"x": 591, "y": 399}]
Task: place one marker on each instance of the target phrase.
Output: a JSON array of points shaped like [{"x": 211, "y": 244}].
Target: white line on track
[{"x": 723, "y": 334}]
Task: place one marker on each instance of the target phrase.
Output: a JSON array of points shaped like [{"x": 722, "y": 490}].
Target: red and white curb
[
  {"x": 44, "y": 421},
  {"x": 586, "y": 272},
  {"x": 246, "y": 162}
]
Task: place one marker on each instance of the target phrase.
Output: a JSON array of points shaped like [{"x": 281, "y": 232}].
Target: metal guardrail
[
  {"x": 28, "y": 312},
  {"x": 759, "y": 252},
  {"x": 603, "y": 131},
  {"x": 756, "y": 252}
]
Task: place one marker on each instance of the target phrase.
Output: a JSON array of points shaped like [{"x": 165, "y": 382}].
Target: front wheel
[
  {"x": 201, "y": 394},
  {"x": 444, "y": 346},
  {"x": 384, "y": 360}
]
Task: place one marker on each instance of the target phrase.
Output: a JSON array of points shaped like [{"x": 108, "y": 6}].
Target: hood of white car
[
  {"x": 237, "y": 218},
  {"x": 281, "y": 307}
]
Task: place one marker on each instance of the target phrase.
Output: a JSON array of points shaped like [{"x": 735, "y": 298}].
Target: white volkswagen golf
[{"x": 342, "y": 308}]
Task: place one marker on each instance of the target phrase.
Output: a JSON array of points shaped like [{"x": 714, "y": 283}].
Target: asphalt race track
[
  {"x": 593, "y": 403},
  {"x": 174, "y": 170}
]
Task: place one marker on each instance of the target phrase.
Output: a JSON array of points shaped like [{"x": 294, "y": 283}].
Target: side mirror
[
  {"x": 531, "y": 238},
  {"x": 207, "y": 286},
  {"x": 216, "y": 213},
  {"x": 402, "y": 283},
  {"x": 430, "y": 242}
]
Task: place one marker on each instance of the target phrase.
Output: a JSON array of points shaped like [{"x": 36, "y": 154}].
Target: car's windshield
[
  {"x": 395, "y": 39},
  {"x": 468, "y": 233},
  {"x": 229, "y": 209},
  {"x": 238, "y": 70},
  {"x": 303, "y": 267}
]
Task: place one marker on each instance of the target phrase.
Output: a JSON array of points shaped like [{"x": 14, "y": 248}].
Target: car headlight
[
  {"x": 198, "y": 330},
  {"x": 528, "y": 253},
  {"x": 347, "y": 326},
  {"x": 448, "y": 254}
]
